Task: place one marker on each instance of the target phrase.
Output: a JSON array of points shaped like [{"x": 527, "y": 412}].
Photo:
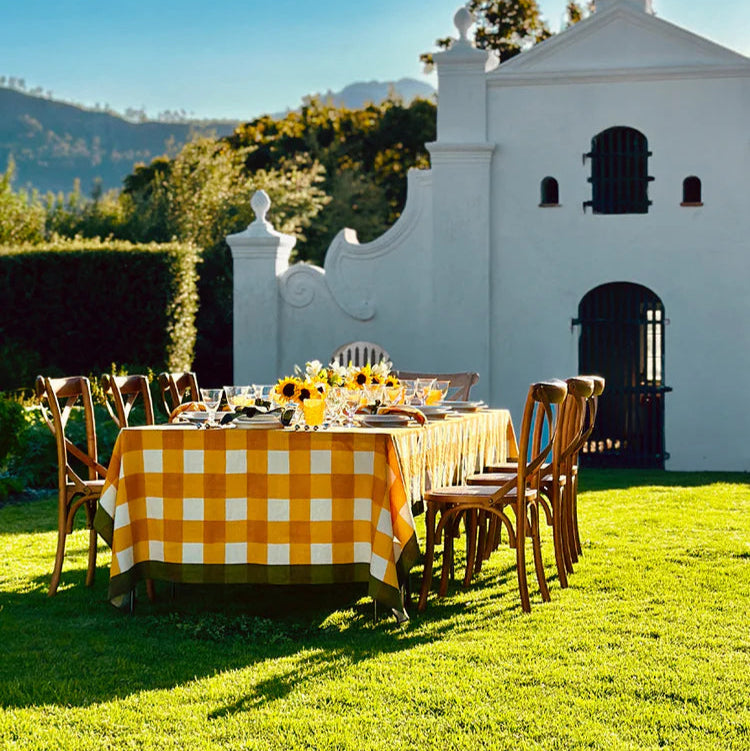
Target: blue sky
[{"x": 240, "y": 58}]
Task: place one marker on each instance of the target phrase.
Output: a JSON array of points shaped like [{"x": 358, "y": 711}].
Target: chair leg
[
  {"x": 470, "y": 521},
  {"x": 574, "y": 519},
  {"x": 91, "y": 570},
  {"x": 57, "y": 570},
  {"x": 447, "y": 570},
  {"x": 482, "y": 541},
  {"x": 150, "y": 590},
  {"x": 537, "y": 548},
  {"x": 429, "y": 557},
  {"x": 523, "y": 585},
  {"x": 559, "y": 535}
]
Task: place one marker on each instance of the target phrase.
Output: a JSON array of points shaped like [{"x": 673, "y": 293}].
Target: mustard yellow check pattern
[{"x": 260, "y": 506}]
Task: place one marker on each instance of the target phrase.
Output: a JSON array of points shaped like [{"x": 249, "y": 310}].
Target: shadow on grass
[
  {"x": 76, "y": 649},
  {"x": 621, "y": 479}
]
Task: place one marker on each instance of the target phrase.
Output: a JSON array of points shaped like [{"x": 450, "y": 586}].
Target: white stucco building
[{"x": 582, "y": 196}]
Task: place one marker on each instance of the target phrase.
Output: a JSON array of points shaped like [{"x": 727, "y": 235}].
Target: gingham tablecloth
[{"x": 277, "y": 506}]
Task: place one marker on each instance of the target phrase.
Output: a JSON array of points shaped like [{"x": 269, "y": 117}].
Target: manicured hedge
[{"x": 76, "y": 307}]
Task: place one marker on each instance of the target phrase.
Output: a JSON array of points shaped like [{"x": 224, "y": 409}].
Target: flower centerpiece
[{"x": 316, "y": 379}]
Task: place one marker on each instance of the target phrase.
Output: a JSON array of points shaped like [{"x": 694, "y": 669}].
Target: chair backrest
[
  {"x": 173, "y": 388},
  {"x": 359, "y": 354},
  {"x": 592, "y": 405},
  {"x": 460, "y": 383},
  {"x": 75, "y": 390},
  {"x": 539, "y": 426},
  {"x": 122, "y": 392},
  {"x": 573, "y": 422}
]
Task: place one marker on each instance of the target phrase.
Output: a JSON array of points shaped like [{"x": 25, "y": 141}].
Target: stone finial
[
  {"x": 260, "y": 203},
  {"x": 463, "y": 21}
]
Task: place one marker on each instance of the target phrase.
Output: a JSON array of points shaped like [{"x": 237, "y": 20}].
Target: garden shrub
[{"x": 75, "y": 307}]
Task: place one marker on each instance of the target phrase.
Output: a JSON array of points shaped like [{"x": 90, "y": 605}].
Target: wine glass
[
  {"x": 441, "y": 387},
  {"x": 211, "y": 399},
  {"x": 423, "y": 386},
  {"x": 410, "y": 389},
  {"x": 352, "y": 398}
]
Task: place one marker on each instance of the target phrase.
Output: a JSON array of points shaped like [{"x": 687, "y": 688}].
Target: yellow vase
[{"x": 314, "y": 411}]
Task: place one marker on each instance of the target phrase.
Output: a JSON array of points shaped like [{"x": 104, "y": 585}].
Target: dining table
[{"x": 283, "y": 506}]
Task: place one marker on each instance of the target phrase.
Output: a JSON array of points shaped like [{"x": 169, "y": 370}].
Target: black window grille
[
  {"x": 619, "y": 172},
  {"x": 691, "y": 191},
  {"x": 550, "y": 192}
]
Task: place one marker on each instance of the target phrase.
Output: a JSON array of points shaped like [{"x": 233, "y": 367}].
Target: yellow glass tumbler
[{"x": 314, "y": 411}]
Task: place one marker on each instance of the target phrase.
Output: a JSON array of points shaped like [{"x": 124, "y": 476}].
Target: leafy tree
[
  {"x": 21, "y": 214},
  {"x": 576, "y": 12},
  {"x": 505, "y": 26}
]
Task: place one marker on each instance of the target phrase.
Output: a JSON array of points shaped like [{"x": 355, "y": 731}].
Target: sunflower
[
  {"x": 361, "y": 377},
  {"x": 392, "y": 382},
  {"x": 306, "y": 390},
  {"x": 287, "y": 389}
]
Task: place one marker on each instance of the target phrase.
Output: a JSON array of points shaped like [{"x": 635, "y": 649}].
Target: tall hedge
[{"x": 76, "y": 307}]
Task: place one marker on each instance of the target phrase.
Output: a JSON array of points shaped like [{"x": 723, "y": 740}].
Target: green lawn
[{"x": 649, "y": 647}]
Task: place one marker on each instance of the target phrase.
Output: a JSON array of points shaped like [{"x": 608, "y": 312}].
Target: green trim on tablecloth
[
  {"x": 104, "y": 525},
  {"x": 216, "y": 573}
]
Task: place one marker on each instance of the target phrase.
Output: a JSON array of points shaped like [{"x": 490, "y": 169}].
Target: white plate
[
  {"x": 194, "y": 416},
  {"x": 385, "y": 421},
  {"x": 464, "y": 406},
  {"x": 256, "y": 423}
]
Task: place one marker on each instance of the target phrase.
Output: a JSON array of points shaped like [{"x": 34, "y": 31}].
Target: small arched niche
[
  {"x": 692, "y": 194},
  {"x": 550, "y": 193}
]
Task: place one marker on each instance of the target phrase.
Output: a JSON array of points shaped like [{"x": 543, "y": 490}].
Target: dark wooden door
[{"x": 622, "y": 339}]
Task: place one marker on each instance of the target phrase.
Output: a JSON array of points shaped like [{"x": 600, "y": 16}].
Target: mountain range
[{"x": 55, "y": 143}]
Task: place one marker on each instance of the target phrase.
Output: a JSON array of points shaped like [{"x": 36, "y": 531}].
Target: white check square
[
  {"x": 236, "y": 462},
  {"x": 364, "y": 462},
  {"x": 320, "y": 462},
  {"x": 278, "y": 509},
  {"x": 362, "y": 552},
  {"x": 321, "y": 509},
  {"x": 193, "y": 462},
  {"x": 235, "y": 509},
  {"x": 278, "y": 462},
  {"x": 378, "y": 567},
  {"x": 152, "y": 461},
  {"x": 278, "y": 555},
  {"x": 155, "y": 508},
  {"x": 321, "y": 553},
  {"x": 192, "y": 509},
  {"x": 362, "y": 509},
  {"x": 155, "y": 550},
  {"x": 235, "y": 552},
  {"x": 192, "y": 552}
]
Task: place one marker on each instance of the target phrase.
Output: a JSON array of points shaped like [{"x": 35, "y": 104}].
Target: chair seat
[
  {"x": 511, "y": 466},
  {"x": 461, "y": 494}
]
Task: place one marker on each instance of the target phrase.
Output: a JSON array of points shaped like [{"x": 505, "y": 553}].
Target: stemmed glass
[
  {"x": 211, "y": 399},
  {"x": 352, "y": 398},
  {"x": 422, "y": 388}
]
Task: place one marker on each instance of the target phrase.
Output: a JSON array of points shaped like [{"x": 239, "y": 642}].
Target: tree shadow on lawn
[
  {"x": 76, "y": 649},
  {"x": 622, "y": 479}
]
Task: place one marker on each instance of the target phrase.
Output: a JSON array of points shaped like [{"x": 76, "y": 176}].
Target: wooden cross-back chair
[
  {"x": 359, "y": 354},
  {"x": 592, "y": 405},
  {"x": 74, "y": 491},
  {"x": 445, "y": 507},
  {"x": 122, "y": 392},
  {"x": 176, "y": 388},
  {"x": 460, "y": 383}
]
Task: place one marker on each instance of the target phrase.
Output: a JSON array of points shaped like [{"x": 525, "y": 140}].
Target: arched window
[
  {"x": 691, "y": 192},
  {"x": 619, "y": 172},
  {"x": 550, "y": 192}
]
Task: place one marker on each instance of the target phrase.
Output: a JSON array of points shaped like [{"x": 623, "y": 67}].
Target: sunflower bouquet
[{"x": 316, "y": 379}]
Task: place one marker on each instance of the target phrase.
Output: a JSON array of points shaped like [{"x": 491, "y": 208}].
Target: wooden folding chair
[
  {"x": 176, "y": 388},
  {"x": 74, "y": 492},
  {"x": 122, "y": 392},
  {"x": 445, "y": 507}
]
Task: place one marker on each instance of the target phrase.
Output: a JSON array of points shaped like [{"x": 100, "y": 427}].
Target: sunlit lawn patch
[{"x": 648, "y": 648}]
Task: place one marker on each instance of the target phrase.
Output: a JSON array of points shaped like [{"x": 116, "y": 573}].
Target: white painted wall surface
[{"x": 476, "y": 276}]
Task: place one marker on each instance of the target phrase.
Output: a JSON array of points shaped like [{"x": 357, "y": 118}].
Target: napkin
[{"x": 400, "y": 409}]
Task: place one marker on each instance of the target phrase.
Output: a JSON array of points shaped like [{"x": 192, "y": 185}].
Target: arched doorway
[{"x": 622, "y": 339}]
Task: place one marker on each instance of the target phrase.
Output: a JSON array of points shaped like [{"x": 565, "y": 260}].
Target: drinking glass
[
  {"x": 438, "y": 391},
  {"x": 423, "y": 387},
  {"x": 335, "y": 405},
  {"x": 314, "y": 411},
  {"x": 352, "y": 398},
  {"x": 237, "y": 396},
  {"x": 211, "y": 399},
  {"x": 410, "y": 389}
]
